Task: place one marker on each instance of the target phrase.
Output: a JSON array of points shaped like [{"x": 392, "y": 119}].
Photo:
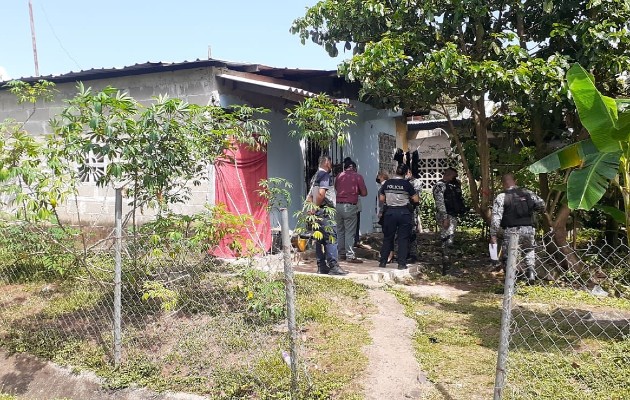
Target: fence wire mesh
[
  {"x": 190, "y": 322},
  {"x": 569, "y": 335}
]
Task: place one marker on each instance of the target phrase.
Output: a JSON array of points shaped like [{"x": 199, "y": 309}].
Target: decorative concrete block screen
[
  {"x": 430, "y": 170},
  {"x": 386, "y": 148}
]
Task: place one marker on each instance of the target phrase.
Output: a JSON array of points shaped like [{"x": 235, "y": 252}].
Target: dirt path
[{"x": 393, "y": 372}]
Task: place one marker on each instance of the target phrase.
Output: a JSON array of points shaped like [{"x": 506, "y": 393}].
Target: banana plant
[{"x": 602, "y": 158}]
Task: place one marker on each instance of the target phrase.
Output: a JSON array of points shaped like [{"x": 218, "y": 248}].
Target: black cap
[{"x": 347, "y": 162}]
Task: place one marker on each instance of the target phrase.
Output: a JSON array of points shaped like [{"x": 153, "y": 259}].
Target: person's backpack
[
  {"x": 518, "y": 208},
  {"x": 453, "y": 199}
]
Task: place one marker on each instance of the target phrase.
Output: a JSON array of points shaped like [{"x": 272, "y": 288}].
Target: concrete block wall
[{"x": 96, "y": 205}]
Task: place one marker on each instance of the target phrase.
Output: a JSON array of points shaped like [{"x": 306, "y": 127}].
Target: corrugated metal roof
[
  {"x": 153, "y": 67},
  {"x": 276, "y": 89},
  {"x": 271, "y": 85}
]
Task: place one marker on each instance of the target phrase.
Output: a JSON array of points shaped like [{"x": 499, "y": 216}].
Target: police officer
[
  {"x": 449, "y": 204},
  {"x": 513, "y": 210},
  {"x": 322, "y": 194},
  {"x": 398, "y": 196}
]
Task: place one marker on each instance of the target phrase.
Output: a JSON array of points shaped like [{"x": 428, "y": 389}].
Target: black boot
[
  {"x": 335, "y": 269},
  {"x": 322, "y": 268}
]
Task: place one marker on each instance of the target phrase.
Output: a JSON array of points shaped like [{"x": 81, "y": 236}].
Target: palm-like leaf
[
  {"x": 588, "y": 184},
  {"x": 614, "y": 212},
  {"x": 570, "y": 156},
  {"x": 598, "y": 113}
]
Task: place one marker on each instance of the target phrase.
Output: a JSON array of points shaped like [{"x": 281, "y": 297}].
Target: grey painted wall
[{"x": 198, "y": 86}]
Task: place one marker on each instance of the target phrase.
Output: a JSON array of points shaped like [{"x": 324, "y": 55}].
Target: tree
[
  {"x": 323, "y": 121},
  {"x": 157, "y": 151},
  {"x": 428, "y": 54},
  {"x": 602, "y": 157}
]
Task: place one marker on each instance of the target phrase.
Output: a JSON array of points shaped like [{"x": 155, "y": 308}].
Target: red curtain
[{"x": 236, "y": 183}]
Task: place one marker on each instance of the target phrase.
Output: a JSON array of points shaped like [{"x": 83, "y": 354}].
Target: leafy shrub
[
  {"x": 31, "y": 252},
  {"x": 264, "y": 295}
]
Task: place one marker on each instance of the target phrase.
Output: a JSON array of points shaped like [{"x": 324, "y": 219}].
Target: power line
[{"x": 41, "y": 6}]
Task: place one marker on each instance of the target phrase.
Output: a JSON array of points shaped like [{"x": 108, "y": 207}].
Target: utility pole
[{"x": 30, "y": 10}]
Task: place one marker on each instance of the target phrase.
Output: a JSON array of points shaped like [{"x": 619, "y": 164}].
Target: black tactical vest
[
  {"x": 518, "y": 209},
  {"x": 453, "y": 199}
]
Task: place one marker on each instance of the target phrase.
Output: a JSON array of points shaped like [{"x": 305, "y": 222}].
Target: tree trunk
[
  {"x": 472, "y": 183},
  {"x": 483, "y": 148},
  {"x": 568, "y": 260},
  {"x": 541, "y": 151}
]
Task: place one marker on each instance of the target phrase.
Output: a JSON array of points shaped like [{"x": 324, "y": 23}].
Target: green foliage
[
  {"x": 321, "y": 119},
  {"x": 276, "y": 193},
  {"x": 309, "y": 220},
  {"x": 156, "y": 291},
  {"x": 31, "y": 93},
  {"x": 33, "y": 253},
  {"x": 157, "y": 150},
  {"x": 454, "y": 54},
  {"x": 171, "y": 234},
  {"x": 604, "y": 155},
  {"x": 264, "y": 295}
]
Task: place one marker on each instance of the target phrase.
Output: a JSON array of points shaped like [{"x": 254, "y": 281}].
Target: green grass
[
  {"x": 225, "y": 346},
  {"x": 456, "y": 344},
  {"x": 568, "y": 297}
]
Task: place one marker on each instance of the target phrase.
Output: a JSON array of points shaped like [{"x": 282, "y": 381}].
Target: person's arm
[
  {"x": 381, "y": 193},
  {"x": 497, "y": 215},
  {"x": 321, "y": 195},
  {"x": 362, "y": 188},
  {"x": 539, "y": 204},
  {"x": 438, "y": 197}
]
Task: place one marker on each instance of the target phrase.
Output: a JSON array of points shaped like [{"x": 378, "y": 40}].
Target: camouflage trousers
[
  {"x": 526, "y": 244},
  {"x": 447, "y": 236}
]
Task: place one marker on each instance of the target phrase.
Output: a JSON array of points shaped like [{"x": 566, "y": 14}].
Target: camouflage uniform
[
  {"x": 526, "y": 240},
  {"x": 447, "y": 235}
]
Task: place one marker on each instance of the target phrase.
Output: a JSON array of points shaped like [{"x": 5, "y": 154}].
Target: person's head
[
  {"x": 349, "y": 164},
  {"x": 449, "y": 175},
  {"x": 325, "y": 162},
  {"x": 402, "y": 169},
  {"x": 381, "y": 177},
  {"x": 508, "y": 181}
]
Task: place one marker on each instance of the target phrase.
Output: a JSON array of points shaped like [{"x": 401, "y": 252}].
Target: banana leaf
[
  {"x": 572, "y": 155},
  {"x": 598, "y": 113},
  {"x": 614, "y": 212},
  {"x": 587, "y": 185}
]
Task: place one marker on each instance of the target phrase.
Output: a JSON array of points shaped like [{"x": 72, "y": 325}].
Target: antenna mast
[{"x": 30, "y": 10}]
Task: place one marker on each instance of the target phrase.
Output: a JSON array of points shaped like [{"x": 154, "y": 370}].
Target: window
[{"x": 93, "y": 169}]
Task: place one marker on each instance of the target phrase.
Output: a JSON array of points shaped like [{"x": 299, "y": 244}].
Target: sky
[{"x": 74, "y": 35}]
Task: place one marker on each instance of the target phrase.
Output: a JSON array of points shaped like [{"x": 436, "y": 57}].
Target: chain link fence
[
  {"x": 187, "y": 321},
  {"x": 566, "y": 335}
]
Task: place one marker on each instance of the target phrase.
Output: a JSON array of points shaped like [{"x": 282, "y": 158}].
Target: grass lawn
[{"x": 225, "y": 346}]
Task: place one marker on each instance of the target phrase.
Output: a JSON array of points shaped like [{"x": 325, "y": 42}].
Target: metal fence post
[
  {"x": 289, "y": 286},
  {"x": 506, "y": 314},
  {"x": 118, "y": 279}
]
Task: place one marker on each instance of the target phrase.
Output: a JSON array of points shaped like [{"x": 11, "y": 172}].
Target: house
[
  {"x": 372, "y": 140},
  {"x": 371, "y": 143}
]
